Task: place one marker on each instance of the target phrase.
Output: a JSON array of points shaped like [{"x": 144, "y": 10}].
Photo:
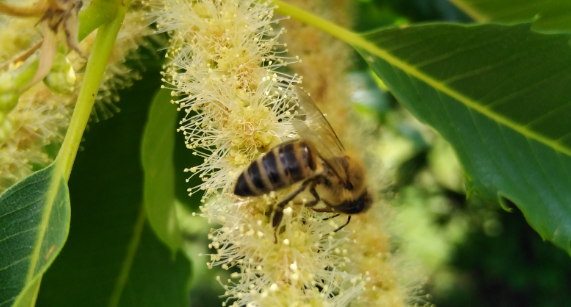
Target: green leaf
[
  {"x": 113, "y": 257},
  {"x": 96, "y": 14},
  {"x": 34, "y": 223},
  {"x": 501, "y": 96},
  {"x": 550, "y": 15},
  {"x": 157, "y": 157}
]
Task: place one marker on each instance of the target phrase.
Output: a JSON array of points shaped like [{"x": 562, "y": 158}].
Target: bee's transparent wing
[{"x": 315, "y": 129}]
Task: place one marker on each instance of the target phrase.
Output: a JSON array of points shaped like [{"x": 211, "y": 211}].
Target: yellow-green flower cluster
[
  {"x": 37, "y": 117},
  {"x": 16, "y": 36}
]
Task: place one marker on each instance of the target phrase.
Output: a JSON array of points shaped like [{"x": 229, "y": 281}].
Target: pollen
[
  {"x": 226, "y": 73},
  {"x": 223, "y": 61}
]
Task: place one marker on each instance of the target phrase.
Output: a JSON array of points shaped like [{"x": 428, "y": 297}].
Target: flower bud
[
  {"x": 8, "y": 92},
  {"x": 6, "y": 128},
  {"x": 61, "y": 78}
]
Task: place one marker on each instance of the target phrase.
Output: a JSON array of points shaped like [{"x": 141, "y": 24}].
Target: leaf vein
[
  {"x": 370, "y": 47},
  {"x": 543, "y": 117},
  {"x": 525, "y": 89},
  {"x": 14, "y": 263},
  {"x": 489, "y": 150},
  {"x": 547, "y": 178},
  {"x": 18, "y": 233},
  {"x": 9, "y": 300},
  {"x": 12, "y": 192},
  {"x": 452, "y": 54},
  {"x": 22, "y": 208},
  {"x": 514, "y": 158},
  {"x": 567, "y": 173}
]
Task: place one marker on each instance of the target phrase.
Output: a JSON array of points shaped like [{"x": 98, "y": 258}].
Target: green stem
[
  {"x": 352, "y": 38},
  {"x": 97, "y": 13},
  {"x": 320, "y": 23},
  {"x": 471, "y": 11},
  {"x": 96, "y": 65}
]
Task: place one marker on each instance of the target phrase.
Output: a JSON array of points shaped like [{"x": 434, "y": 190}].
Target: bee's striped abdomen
[
  {"x": 281, "y": 167},
  {"x": 270, "y": 165},
  {"x": 291, "y": 161}
]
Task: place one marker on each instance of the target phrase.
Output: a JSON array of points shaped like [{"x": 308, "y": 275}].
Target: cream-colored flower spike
[
  {"x": 224, "y": 64},
  {"x": 224, "y": 61}
]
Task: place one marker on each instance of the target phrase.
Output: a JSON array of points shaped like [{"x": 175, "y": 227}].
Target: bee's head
[
  {"x": 361, "y": 204},
  {"x": 359, "y": 199},
  {"x": 356, "y": 175}
]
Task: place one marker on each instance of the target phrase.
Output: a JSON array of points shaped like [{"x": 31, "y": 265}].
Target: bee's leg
[
  {"x": 315, "y": 195},
  {"x": 329, "y": 208},
  {"x": 342, "y": 226},
  {"x": 326, "y": 209},
  {"x": 313, "y": 192},
  {"x": 279, "y": 209},
  {"x": 331, "y": 217}
]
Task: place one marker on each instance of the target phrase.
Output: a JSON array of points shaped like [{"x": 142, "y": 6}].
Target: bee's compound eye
[
  {"x": 359, "y": 205},
  {"x": 352, "y": 207}
]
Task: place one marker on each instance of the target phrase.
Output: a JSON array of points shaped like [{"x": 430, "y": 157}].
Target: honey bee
[{"x": 318, "y": 159}]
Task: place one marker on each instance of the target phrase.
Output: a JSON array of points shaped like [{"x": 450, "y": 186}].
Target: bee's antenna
[{"x": 343, "y": 226}]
